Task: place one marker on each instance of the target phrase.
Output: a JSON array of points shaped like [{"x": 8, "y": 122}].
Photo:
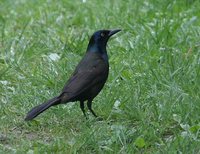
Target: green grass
[{"x": 151, "y": 101}]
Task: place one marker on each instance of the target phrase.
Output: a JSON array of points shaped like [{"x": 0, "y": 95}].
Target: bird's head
[{"x": 99, "y": 40}]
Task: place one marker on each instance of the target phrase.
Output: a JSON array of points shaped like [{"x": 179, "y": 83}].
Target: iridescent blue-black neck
[{"x": 98, "y": 48}]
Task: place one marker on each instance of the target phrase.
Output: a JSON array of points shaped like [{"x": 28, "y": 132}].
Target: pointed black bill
[{"x": 112, "y": 32}]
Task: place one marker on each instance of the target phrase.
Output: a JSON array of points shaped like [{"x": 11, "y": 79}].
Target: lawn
[{"x": 151, "y": 101}]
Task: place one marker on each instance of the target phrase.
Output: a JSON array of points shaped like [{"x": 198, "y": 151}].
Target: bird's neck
[{"x": 98, "y": 49}]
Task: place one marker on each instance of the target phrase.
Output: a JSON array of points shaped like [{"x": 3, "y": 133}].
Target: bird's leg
[
  {"x": 82, "y": 108},
  {"x": 89, "y": 105}
]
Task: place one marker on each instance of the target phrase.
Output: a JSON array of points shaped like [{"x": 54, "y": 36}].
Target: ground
[{"x": 151, "y": 101}]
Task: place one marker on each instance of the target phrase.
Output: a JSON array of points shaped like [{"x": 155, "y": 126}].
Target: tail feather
[{"x": 40, "y": 108}]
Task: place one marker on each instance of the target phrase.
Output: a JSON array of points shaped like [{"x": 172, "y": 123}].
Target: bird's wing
[{"x": 88, "y": 73}]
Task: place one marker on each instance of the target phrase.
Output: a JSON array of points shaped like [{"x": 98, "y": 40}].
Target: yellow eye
[{"x": 102, "y": 34}]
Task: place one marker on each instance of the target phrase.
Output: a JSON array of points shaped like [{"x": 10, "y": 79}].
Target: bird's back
[{"x": 88, "y": 78}]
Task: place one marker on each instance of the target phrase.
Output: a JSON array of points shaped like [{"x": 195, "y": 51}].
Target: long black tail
[{"x": 41, "y": 108}]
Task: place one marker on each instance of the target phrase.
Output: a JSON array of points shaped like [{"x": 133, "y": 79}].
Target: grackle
[{"x": 88, "y": 78}]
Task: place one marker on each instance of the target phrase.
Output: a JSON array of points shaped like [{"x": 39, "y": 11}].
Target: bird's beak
[{"x": 112, "y": 32}]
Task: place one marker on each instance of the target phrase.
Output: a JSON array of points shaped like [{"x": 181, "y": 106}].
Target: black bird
[{"x": 88, "y": 78}]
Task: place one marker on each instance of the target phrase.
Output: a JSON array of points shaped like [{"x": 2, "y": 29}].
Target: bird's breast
[{"x": 105, "y": 57}]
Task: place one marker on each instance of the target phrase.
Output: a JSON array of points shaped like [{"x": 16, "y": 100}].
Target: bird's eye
[{"x": 102, "y": 34}]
